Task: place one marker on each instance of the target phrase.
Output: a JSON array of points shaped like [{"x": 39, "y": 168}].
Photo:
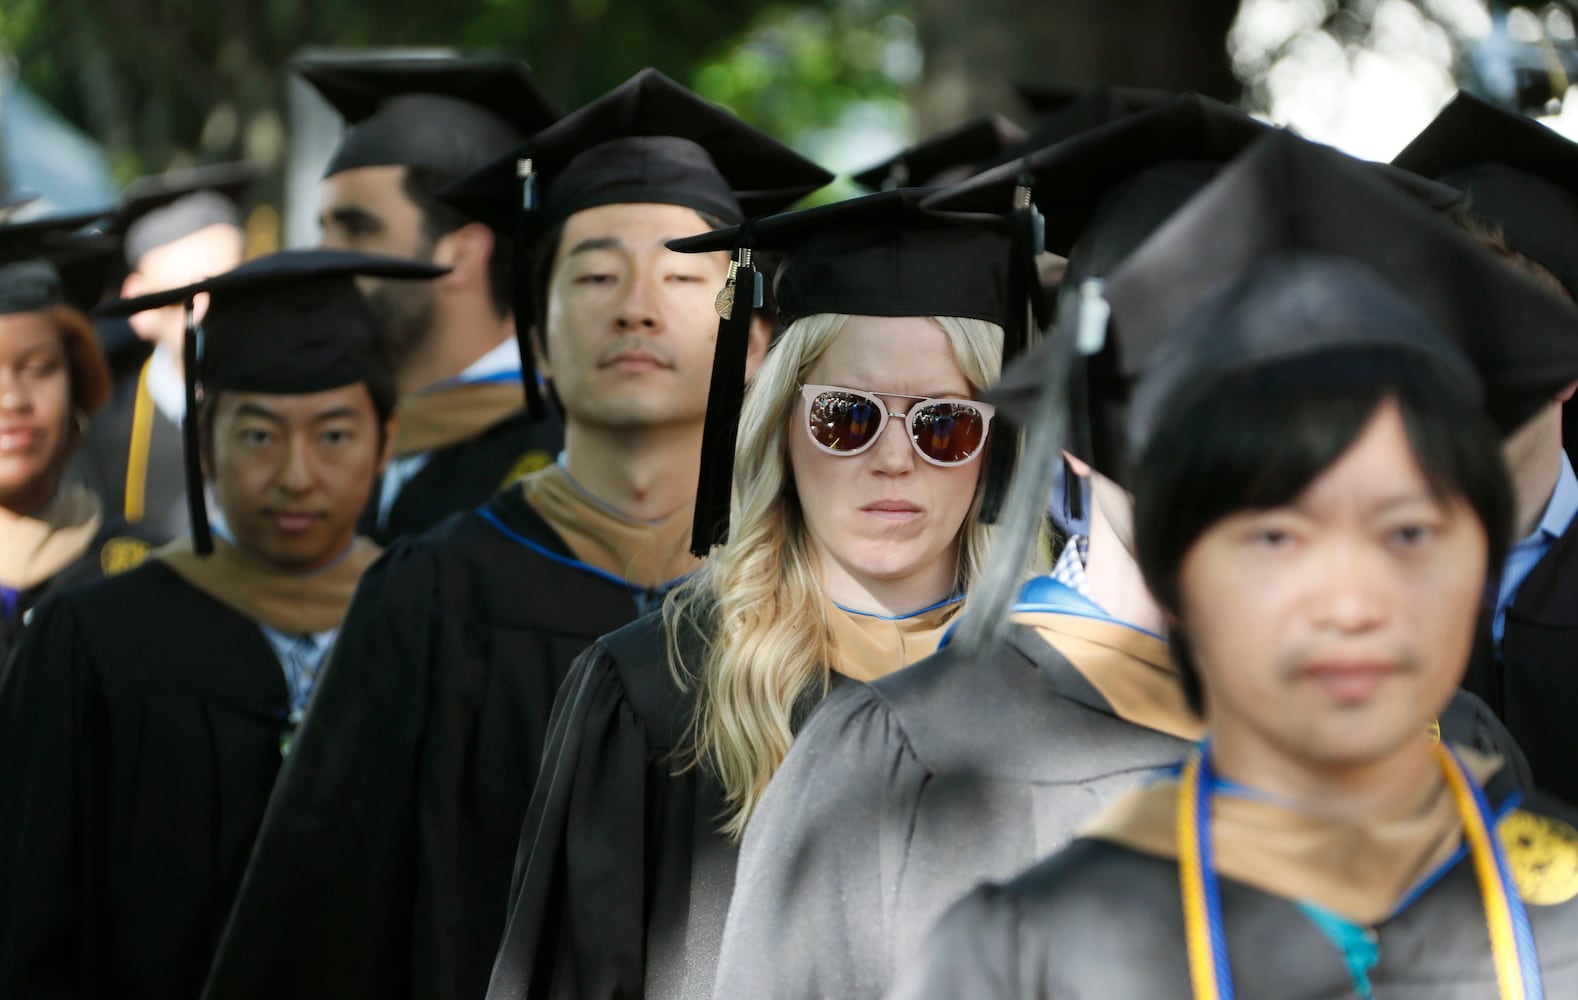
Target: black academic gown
[
  {"x": 1533, "y": 684},
  {"x": 140, "y": 725},
  {"x": 462, "y": 476},
  {"x": 101, "y": 463},
  {"x": 1104, "y": 920},
  {"x": 624, "y": 877},
  {"x": 901, "y": 796},
  {"x": 115, "y": 549},
  {"x": 383, "y": 867}
]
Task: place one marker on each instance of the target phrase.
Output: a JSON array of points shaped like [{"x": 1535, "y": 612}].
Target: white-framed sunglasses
[{"x": 945, "y": 432}]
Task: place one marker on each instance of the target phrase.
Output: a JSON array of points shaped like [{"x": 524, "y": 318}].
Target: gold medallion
[
  {"x": 1543, "y": 855},
  {"x": 121, "y": 554}
]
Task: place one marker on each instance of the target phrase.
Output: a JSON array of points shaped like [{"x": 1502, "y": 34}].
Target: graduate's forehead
[
  {"x": 377, "y": 190},
  {"x": 1377, "y": 471},
  {"x": 907, "y": 355},
  {"x": 28, "y": 333},
  {"x": 342, "y": 402},
  {"x": 629, "y": 226}
]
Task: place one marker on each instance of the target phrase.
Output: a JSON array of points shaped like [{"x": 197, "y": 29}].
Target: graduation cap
[
  {"x": 1085, "y": 110},
  {"x": 1045, "y": 99},
  {"x": 1069, "y": 179},
  {"x": 1100, "y": 192},
  {"x": 439, "y": 113},
  {"x": 1518, "y": 174},
  {"x": 1311, "y": 250},
  {"x": 1103, "y": 193},
  {"x": 166, "y": 207},
  {"x": 49, "y": 261},
  {"x": 952, "y": 154},
  {"x": 1294, "y": 248},
  {"x": 879, "y": 255},
  {"x": 649, "y": 140},
  {"x": 292, "y": 322}
]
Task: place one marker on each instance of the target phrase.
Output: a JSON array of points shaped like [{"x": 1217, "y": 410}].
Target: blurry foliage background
[{"x": 163, "y": 82}]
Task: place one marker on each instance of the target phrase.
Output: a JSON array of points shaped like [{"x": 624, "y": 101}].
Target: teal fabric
[{"x": 1357, "y": 945}]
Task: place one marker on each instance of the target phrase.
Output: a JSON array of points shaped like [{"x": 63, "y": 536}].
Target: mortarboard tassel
[
  {"x": 520, "y": 272},
  {"x": 725, "y": 396},
  {"x": 197, "y": 510}
]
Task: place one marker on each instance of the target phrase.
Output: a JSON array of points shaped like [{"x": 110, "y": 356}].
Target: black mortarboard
[
  {"x": 1069, "y": 179},
  {"x": 1518, "y": 174},
  {"x": 649, "y": 140},
  {"x": 166, "y": 207},
  {"x": 1085, "y": 110},
  {"x": 292, "y": 322},
  {"x": 877, "y": 255},
  {"x": 1052, "y": 98},
  {"x": 47, "y": 262},
  {"x": 880, "y": 255},
  {"x": 1102, "y": 191},
  {"x": 950, "y": 155},
  {"x": 448, "y": 114},
  {"x": 1312, "y": 250}
]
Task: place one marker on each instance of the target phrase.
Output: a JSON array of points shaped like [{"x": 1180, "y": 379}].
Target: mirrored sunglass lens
[
  {"x": 843, "y": 421},
  {"x": 949, "y": 432}
]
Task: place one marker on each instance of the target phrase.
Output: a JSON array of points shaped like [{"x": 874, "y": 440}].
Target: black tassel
[
  {"x": 196, "y": 508},
  {"x": 737, "y": 302},
  {"x": 520, "y": 275}
]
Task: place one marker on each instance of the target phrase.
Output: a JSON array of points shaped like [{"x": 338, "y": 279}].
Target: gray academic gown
[
  {"x": 1102, "y": 920},
  {"x": 901, "y": 796}
]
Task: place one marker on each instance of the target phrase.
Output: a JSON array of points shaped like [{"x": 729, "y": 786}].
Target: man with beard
[
  {"x": 383, "y": 866},
  {"x": 1518, "y": 176},
  {"x": 417, "y": 124}
]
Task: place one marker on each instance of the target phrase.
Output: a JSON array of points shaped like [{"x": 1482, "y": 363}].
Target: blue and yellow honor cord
[{"x": 1211, "y": 976}]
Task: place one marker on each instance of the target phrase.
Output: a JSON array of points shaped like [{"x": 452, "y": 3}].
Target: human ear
[
  {"x": 466, "y": 252},
  {"x": 760, "y": 336}
]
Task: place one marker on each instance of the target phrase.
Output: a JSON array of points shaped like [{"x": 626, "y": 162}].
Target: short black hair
[
  {"x": 439, "y": 220},
  {"x": 380, "y": 384},
  {"x": 1261, "y": 436}
]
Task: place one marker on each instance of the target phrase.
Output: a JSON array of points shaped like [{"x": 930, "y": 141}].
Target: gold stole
[
  {"x": 450, "y": 414},
  {"x": 292, "y": 603},
  {"x": 34, "y": 548},
  {"x": 134, "y": 504},
  {"x": 866, "y": 648},
  {"x": 1358, "y": 869},
  {"x": 1132, "y": 670},
  {"x": 645, "y": 553}
]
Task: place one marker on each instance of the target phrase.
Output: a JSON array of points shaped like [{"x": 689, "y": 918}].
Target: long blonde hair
[{"x": 758, "y": 602}]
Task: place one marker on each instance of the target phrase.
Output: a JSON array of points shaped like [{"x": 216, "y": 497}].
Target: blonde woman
[{"x": 857, "y": 488}]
